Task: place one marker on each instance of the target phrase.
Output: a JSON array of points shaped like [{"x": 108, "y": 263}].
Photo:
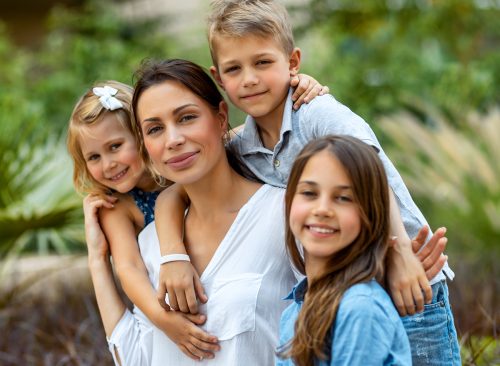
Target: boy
[{"x": 253, "y": 55}]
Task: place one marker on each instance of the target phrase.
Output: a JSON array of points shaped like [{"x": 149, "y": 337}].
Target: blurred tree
[{"x": 383, "y": 54}]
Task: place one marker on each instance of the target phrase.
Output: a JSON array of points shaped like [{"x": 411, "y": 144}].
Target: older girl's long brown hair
[{"x": 359, "y": 262}]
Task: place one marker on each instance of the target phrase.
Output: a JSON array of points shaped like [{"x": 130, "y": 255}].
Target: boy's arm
[
  {"x": 118, "y": 226},
  {"x": 178, "y": 278},
  {"x": 405, "y": 274}
]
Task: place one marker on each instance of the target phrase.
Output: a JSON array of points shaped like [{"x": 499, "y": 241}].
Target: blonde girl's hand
[
  {"x": 183, "y": 285},
  {"x": 97, "y": 244},
  {"x": 431, "y": 256},
  {"x": 184, "y": 331},
  {"x": 306, "y": 89}
]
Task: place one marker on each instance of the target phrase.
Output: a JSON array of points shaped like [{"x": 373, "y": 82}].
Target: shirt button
[{"x": 276, "y": 163}]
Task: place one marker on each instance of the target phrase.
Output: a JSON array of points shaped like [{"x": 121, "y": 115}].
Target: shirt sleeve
[
  {"x": 363, "y": 333},
  {"x": 131, "y": 342}
]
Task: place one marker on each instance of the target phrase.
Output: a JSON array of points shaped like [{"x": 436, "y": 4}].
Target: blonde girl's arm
[
  {"x": 178, "y": 278},
  {"x": 183, "y": 330},
  {"x": 109, "y": 302}
]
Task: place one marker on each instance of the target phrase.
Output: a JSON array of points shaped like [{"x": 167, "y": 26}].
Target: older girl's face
[
  {"x": 182, "y": 134},
  {"x": 323, "y": 214}
]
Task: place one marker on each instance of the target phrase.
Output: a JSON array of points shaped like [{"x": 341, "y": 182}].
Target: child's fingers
[
  {"x": 436, "y": 267},
  {"x": 397, "y": 298},
  {"x": 436, "y": 252},
  {"x": 188, "y": 353},
  {"x": 419, "y": 240}
]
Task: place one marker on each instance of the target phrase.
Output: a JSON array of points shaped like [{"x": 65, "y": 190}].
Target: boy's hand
[
  {"x": 407, "y": 280},
  {"x": 431, "y": 255},
  {"x": 97, "y": 244},
  {"x": 183, "y": 285},
  {"x": 184, "y": 331},
  {"x": 306, "y": 89}
]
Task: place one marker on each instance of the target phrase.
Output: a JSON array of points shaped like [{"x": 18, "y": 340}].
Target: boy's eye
[
  {"x": 264, "y": 62},
  {"x": 113, "y": 147},
  {"x": 231, "y": 69}
]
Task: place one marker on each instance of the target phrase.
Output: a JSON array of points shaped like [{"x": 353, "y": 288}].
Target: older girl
[{"x": 337, "y": 207}]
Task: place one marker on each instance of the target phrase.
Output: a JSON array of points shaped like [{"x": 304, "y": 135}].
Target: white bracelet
[{"x": 174, "y": 258}]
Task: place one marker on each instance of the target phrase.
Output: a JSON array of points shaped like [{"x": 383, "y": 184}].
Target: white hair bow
[{"x": 107, "y": 99}]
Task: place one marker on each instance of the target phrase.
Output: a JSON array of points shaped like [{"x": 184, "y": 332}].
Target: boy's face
[{"x": 255, "y": 73}]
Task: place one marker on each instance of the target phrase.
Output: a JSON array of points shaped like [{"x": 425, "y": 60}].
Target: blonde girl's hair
[
  {"x": 87, "y": 112},
  {"x": 239, "y": 18},
  {"x": 359, "y": 262}
]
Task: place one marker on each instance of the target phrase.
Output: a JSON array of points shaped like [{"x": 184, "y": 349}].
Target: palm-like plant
[{"x": 38, "y": 207}]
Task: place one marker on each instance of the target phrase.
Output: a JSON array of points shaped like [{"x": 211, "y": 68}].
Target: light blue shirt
[
  {"x": 367, "y": 330},
  {"x": 324, "y": 115}
]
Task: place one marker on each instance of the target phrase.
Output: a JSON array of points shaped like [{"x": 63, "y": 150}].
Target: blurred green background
[{"x": 425, "y": 74}]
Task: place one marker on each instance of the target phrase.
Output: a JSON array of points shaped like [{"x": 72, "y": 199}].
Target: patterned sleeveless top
[{"x": 146, "y": 203}]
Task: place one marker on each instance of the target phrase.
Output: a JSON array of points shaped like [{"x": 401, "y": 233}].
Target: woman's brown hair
[{"x": 359, "y": 262}]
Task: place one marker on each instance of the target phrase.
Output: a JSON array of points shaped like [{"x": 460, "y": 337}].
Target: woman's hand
[
  {"x": 306, "y": 89},
  {"x": 184, "y": 331},
  {"x": 183, "y": 285}
]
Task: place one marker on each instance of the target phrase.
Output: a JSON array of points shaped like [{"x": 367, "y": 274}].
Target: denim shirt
[
  {"x": 367, "y": 329},
  {"x": 324, "y": 115}
]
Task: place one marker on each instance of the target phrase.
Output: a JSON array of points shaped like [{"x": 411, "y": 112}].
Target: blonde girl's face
[
  {"x": 111, "y": 154},
  {"x": 323, "y": 214}
]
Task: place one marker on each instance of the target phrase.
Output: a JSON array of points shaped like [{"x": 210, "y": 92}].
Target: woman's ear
[
  {"x": 223, "y": 116},
  {"x": 294, "y": 61}
]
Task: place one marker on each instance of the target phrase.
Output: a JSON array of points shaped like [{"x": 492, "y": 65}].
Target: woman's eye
[
  {"x": 153, "y": 130},
  {"x": 187, "y": 117}
]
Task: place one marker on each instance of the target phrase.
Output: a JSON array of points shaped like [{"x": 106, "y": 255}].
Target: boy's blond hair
[
  {"x": 239, "y": 18},
  {"x": 87, "y": 112}
]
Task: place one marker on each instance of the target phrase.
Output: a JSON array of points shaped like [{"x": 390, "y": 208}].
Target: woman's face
[{"x": 182, "y": 134}]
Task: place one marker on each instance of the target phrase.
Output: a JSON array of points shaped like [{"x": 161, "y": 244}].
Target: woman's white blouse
[{"x": 245, "y": 282}]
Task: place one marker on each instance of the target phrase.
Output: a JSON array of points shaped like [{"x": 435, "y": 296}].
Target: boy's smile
[{"x": 255, "y": 73}]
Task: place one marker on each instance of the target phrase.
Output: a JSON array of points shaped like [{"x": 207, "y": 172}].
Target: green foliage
[{"x": 384, "y": 54}]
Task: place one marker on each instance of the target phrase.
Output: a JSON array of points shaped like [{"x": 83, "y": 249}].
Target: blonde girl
[{"x": 337, "y": 207}]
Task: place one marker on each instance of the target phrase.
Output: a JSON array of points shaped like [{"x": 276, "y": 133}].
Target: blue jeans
[{"x": 432, "y": 333}]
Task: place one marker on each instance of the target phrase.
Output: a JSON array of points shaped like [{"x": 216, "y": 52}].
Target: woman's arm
[{"x": 179, "y": 278}]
